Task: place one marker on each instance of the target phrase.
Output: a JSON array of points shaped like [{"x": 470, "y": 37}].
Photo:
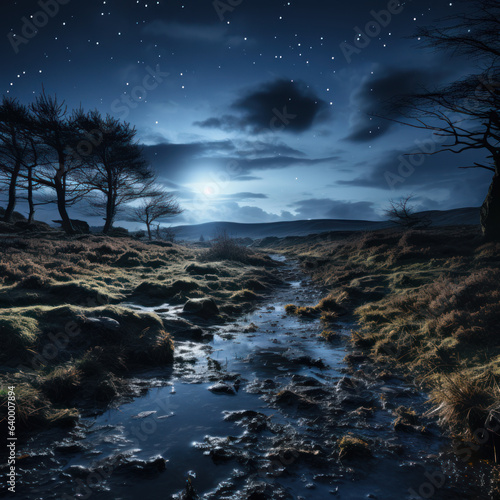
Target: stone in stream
[
  {"x": 287, "y": 397},
  {"x": 144, "y": 414},
  {"x": 206, "y": 308},
  {"x": 104, "y": 323},
  {"x": 306, "y": 381},
  {"x": 252, "y": 420},
  {"x": 223, "y": 388}
]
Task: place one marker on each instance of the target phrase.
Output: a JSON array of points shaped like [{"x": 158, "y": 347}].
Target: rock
[
  {"x": 252, "y": 420},
  {"x": 290, "y": 398},
  {"x": 104, "y": 322},
  {"x": 33, "y": 227},
  {"x": 222, "y": 388},
  {"x": 196, "y": 333},
  {"x": 407, "y": 420},
  {"x": 79, "y": 226},
  {"x": 353, "y": 447},
  {"x": 206, "y": 307},
  {"x": 144, "y": 414},
  {"x": 201, "y": 270},
  {"x": 306, "y": 381},
  {"x": 118, "y": 232}
]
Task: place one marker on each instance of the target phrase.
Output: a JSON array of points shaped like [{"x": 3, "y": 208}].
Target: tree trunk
[
  {"x": 149, "y": 231},
  {"x": 30, "y": 195},
  {"x": 490, "y": 211},
  {"x": 110, "y": 204},
  {"x": 61, "y": 206},
  {"x": 110, "y": 214},
  {"x": 12, "y": 193}
]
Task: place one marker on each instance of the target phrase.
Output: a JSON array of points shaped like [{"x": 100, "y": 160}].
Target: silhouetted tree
[
  {"x": 55, "y": 135},
  {"x": 15, "y": 147},
  {"x": 465, "y": 114},
  {"x": 156, "y": 206},
  {"x": 114, "y": 164},
  {"x": 402, "y": 213}
]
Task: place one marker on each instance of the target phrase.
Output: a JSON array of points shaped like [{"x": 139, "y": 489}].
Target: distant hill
[{"x": 459, "y": 216}]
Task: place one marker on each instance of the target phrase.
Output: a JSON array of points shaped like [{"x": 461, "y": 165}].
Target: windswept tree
[
  {"x": 55, "y": 135},
  {"x": 402, "y": 213},
  {"x": 114, "y": 165},
  {"x": 15, "y": 148},
  {"x": 465, "y": 115},
  {"x": 157, "y": 206}
]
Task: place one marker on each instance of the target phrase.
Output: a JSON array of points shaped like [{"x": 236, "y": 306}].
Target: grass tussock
[{"x": 467, "y": 405}]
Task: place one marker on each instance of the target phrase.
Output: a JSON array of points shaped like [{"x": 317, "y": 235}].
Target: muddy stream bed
[{"x": 253, "y": 411}]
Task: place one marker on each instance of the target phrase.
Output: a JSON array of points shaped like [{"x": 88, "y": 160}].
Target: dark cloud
[
  {"x": 281, "y": 105},
  {"x": 175, "y": 161},
  {"x": 262, "y": 148},
  {"x": 227, "y": 123},
  {"x": 246, "y": 196},
  {"x": 423, "y": 173},
  {"x": 325, "y": 208},
  {"x": 380, "y": 96}
]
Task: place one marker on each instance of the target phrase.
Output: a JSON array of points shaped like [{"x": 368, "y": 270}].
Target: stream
[{"x": 253, "y": 411}]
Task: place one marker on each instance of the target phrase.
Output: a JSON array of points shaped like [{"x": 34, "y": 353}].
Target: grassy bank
[
  {"x": 427, "y": 303},
  {"x": 69, "y": 336}
]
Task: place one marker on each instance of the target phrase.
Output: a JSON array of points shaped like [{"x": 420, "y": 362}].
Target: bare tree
[
  {"x": 55, "y": 135},
  {"x": 402, "y": 213},
  {"x": 14, "y": 147},
  {"x": 115, "y": 167},
  {"x": 155, "y": 207},
  {"x": 465, "y": 114}
]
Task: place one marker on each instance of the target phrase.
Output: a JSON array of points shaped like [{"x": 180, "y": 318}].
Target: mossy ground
[
  {"x": 65, "y": 338},
  {"x": 427, "y": 303}
]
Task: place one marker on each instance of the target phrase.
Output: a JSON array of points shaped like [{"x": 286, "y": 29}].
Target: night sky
[{"x": 251, "y": 110}]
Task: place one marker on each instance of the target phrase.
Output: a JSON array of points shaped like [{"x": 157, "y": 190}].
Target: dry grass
[
  {"x": 466, "y": 404},
  {"x": 427, "y": 302},
  {"x": 49, "y": 284}
]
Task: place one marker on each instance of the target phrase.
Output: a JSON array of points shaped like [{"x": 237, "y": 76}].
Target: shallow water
[{"x": 111, "y": 455}]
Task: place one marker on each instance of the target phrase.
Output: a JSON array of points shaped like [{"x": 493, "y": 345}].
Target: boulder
[
  {"x": 79, "y": 226},
  {"x": 205, "y": 307},
  {"x": 223, "y": 388}
]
